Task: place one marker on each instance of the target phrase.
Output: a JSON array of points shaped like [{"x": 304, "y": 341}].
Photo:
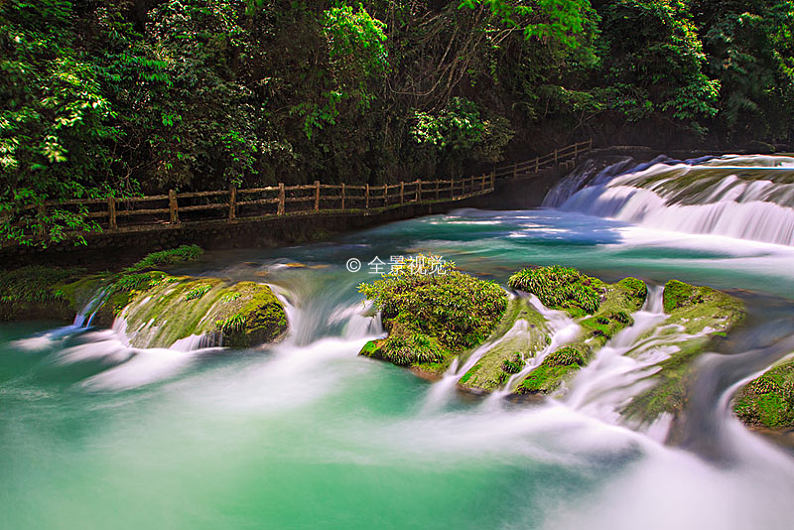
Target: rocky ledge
[{"x": 155, "y": 309}]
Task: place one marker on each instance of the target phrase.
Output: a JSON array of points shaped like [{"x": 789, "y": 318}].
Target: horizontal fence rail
[
  {"x": 564, "y": 156},
  {"x": 233, "y": 204}
]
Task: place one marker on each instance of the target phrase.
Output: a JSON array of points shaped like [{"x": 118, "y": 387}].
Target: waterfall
[{"x": 745, "y": 197}]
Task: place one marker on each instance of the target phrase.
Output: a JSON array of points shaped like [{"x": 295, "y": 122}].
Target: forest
[{"x": 140, "y": 96}]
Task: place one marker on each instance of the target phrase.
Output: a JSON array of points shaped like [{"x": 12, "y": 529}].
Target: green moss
[
  {"x": 521, "y": 333},
  {"x": 433, "y": 317},
  {"x": 561, "y": 288},
  {"x": 37, "y": 292},
  {"x": 617, "y": 302},
  {"x": 768, "y": 400},
  {"x": 164, "y": 258},
  {"x": 702, "y": 313},
  {"x": 239, "y": 315}
]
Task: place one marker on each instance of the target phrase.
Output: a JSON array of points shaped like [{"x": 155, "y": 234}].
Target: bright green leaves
[
  {"x": 655, "y": 62},
  {"x": 457, "y": 126},
  {"x": 565, "y": 21},
  {"x": 461, "y": 129},
  {"x": 56, "y": 123},
  {"x": 356, "y": 37},
  {"x": 356, "y": 54}
]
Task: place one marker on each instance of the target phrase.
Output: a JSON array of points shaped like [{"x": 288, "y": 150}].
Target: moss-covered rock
[
  {"x": 560, "y": 288},
  {"x": 171, "y": 308},
  {"x": 611, "y": 312},
  {"x": 768, "y": 401},
  {"x": 432, "y": 317},
  {"x": 46, "y": 293},
  {"x": 697, "y": 316},
  {"x": 158, "y": 308},
  {"x": 521, "y": 333}
]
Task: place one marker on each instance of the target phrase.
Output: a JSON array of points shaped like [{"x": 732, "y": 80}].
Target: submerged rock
[{"x": 767, "y": 402}]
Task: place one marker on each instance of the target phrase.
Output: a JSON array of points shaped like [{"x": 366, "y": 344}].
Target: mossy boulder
[
  {"x": 606, "y": 310},
  {"x": 166, "y": 309},
  {"x": 519, "y": 336},
  {"x": 767, "y": 401},
  {"x": 698, "y": 315},
  {"x": 432, "y": 317},
  {"x": 158, "y": 308}
]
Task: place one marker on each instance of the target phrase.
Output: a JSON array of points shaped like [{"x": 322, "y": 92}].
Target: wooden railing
[
  {"x": 233, "y": 205},
  {"x": 564, "y": 157}
]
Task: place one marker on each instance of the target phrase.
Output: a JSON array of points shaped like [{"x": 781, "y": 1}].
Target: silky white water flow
[
  {"x": 307, "y": 434},
  {"x": 750, "y": 197},
  {"x": 562, "y": 330},
  {"x": 612, "y": 378}
]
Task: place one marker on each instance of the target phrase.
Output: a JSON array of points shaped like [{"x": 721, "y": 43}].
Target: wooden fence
[
  {"x": 268, "y": 202},
  {"x": 231, "y": 205},
  {"x": 563, "y": 157}
]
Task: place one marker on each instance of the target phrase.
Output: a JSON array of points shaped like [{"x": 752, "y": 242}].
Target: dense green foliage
[
  {"x": 119, "y": 98},
  {"x": 165, "y": 258},
  {"x": 433, "y": 316}
]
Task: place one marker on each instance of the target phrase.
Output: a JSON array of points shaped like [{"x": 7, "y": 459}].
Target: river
[{"x": 307, "y": 434}]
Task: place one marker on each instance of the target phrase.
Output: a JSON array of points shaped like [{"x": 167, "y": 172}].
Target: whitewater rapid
[{"x": 750, "y": 198}]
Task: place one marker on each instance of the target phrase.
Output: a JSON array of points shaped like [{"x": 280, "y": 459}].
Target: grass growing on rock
[
  {"x": 431, "y": 317},
  {"x": 768, "y": 400},
  {"x": 165, "y": 258},
  {"x": 560, "y": 288},
  {"x": 37, "y": 291}
]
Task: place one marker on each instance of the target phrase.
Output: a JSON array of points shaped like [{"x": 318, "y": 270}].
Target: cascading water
[
  {"x": 746, "y": 197},
  {"x": 307, "y": 433}
]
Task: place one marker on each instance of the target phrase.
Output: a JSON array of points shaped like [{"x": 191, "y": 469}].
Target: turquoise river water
[{"x": 307, "y": 434}]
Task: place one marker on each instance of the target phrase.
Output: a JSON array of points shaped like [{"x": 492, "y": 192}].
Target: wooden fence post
[
  {"x": 493, "y": 180},
  {"x": 366, "y": 196},
  {"x": 316, "y": 195},
  {"x": 343, "y": 196},
  {"x": 173, "y": 207},
  {"x": 232, "y": 202},
  {"x": 112, "y": 213},
  {"x": 385, "y": 194},
  {"x": 402, "y": 192},
  {"x": 281, "y": 199},
  {"x": 418, "y": 190},
  {"x": 537, "y": 164}
]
